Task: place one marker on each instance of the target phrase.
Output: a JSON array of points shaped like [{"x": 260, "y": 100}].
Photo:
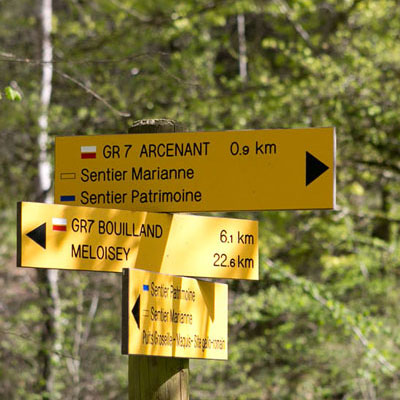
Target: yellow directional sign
[
  {"x": 87, "y": 238},
  {"x": 202, "y": 171},
  {"x": 164, "y": 315}
]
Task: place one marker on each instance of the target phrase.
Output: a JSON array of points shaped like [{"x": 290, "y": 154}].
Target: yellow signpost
[
  {"x": 203, "y": 171},
  {"x": 98, "y": 179},
  {"x": 86, "y": 238},
  {"x": 171, "y": 316}
]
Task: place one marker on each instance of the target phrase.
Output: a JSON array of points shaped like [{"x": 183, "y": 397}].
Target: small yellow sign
[
  {"x": 170, "y": 316},
  {"x": 202, "y": 171},
  {"x": 86, "y": 238}
]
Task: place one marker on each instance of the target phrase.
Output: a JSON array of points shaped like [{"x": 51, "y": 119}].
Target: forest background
[{"x": 323, "y": 321}]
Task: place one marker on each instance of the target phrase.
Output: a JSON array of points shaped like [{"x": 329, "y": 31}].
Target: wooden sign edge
[
  {"x": 125, "y": 312},
  {"x": 19, "y": 233}
]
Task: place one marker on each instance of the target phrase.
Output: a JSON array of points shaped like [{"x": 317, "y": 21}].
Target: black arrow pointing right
[
  {"x": 38, "y": 235},
  {"x": 136, "y": 311},
  {"x": 314, "y": 168}
]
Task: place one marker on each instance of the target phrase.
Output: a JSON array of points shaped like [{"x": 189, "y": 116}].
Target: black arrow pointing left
[
  {"x": 136, "y": 312},
  {"x": 38, "y": 235}
]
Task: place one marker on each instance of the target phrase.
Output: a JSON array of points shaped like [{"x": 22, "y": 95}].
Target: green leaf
[{"x": 12, "y": 94}]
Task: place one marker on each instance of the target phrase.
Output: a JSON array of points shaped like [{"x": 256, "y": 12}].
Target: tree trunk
[
  {"x": 241, "y": 27},
  {"x": 47, "y": 279}
]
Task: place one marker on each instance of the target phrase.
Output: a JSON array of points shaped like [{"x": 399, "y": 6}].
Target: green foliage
[{"x": 12, "y": 94}]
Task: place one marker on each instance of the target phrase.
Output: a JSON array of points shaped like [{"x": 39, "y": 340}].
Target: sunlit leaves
[{"x": 12, "y": 94}]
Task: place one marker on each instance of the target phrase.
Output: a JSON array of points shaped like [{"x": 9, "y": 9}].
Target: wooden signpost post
[{"x": 156, "y": 377}]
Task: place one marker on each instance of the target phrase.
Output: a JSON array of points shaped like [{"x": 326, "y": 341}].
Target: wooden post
[{"x": 150, "y": 377}]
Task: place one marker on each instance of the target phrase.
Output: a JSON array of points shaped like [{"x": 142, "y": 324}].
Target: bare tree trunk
[
  {"x": 241, "y": 27},
  {"x": 80, "y": 335},
  {"x": 381, "y": 227},
  {"x": 47, "y": 279},
  {"x": 45, "y": 97}
]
